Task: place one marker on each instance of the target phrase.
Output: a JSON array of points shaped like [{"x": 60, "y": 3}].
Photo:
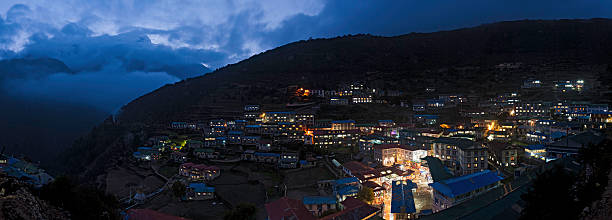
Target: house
[
  {"x": 569, "y": 146},
  {"x": 234, "y": 137},
  {"x": 343, "y": 125},
  {"x": 390, "y": 154},
  {"x": 271, "y": 158},
  {"x": 178, "y": 125},
  {"x": 199, "y": 172},
  {"x": 253, "y": 129},
  {"x": 286, "y": 208},
  {"x": 318, "y": 205},
  {"x": 146, "y": 154},
  {"x": 206, "y": 153},
  {"x": 461, "y": 155},
  {"x": 426, "y": 119},
  {"x": 264, "y": 145},
  {"x": 346, "y": 187},
  {"x": 276, "y": 117},
  {"x": 212, "y": 141},
  {"x": 178, "y": 157},
  {"x": 288, "y": 160},
  {"x": 338, "y": 101},
  {"x": 194, "y": 144},
  {"x": 402, "y": 200},
  {"x": 536, "y": 150},
  {"x": 452, "y": 191},
  {"x": 199, "y": 191},
  {"x": 359, "y": 99},
  {"x": 250, "y": 140},
  {"x": 327, "y": 138},
  {"x": 503, "y": 154}
]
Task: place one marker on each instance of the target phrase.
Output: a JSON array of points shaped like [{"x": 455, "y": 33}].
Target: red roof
[
  {"x": 354, "y": 209},
  {"x": 356, "y": 166},
  {"x": 146, "y": 214},
  {"x": 285, "y": 208}
]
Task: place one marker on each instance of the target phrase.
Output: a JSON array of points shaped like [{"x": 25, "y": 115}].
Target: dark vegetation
[
  {"x": 82, "y": 202},
  {"x": 243, "y": 211},
  {"x": 561, "y": 193}
]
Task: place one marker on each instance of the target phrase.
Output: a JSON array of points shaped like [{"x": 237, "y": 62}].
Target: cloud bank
[{"x": 134, "y": 46}]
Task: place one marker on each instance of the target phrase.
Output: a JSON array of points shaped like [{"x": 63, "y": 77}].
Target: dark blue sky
[{"x": 99, "y": 40}]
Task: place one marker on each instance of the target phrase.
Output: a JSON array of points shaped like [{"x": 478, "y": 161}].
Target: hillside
[
  {"x": 454, "y": 61},
  {"x": 400, "y": 62}
]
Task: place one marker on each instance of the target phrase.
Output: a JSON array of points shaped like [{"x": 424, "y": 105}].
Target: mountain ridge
[{"x": 322, "y": 62}]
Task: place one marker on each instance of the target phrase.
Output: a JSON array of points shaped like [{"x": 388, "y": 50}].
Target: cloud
[
  {"x": 130, "y": 40},
  {"x": 107, "y": 89}
]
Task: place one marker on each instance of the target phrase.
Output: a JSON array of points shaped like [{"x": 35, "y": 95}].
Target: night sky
[{"x": 99, "y": 40}]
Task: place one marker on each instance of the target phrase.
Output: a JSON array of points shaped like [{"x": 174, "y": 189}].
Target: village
[{"x": 450, "y": 150}]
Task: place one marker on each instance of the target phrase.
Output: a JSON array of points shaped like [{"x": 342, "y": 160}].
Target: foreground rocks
[{"x": 17, "y": 202}]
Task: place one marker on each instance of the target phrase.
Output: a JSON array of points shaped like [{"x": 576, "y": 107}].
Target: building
[
  {"x": 286, "y": 208},
  {"x": 533, "y": 109},
  {"x": 288, "y": 160},
  {"x": 402, "y": 200},
  {"x": 536, "y": 150},
  {"x": 569, "y": 146},
  {"x": 146, "y": 154},
  {"x": 318, "y": 205},
  {"x": 199, "y": 172},
  {"x": 276, "y": 117},
  {"x": 503, "y": 154},
  {"x": 179, "y": 125},
  {"x": 199, "y": 191},
  {"x": 327, "y": 138},
  {"x": 343, "y": 125},
  {"x": 452, "y": 191},
  {"x": 362, "y": 99},
  {"x": 461, "y": 155},
  {"x": 338, "y": 101}
]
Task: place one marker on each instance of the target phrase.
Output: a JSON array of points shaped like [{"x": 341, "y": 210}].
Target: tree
[
  {"x": 551, "y": 192},
  {"x": 243, "y": 211},
  {"x": 366, "y": 194},
  {"x": 178, "y": 189}
]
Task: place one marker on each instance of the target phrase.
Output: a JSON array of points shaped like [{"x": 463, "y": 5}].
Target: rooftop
[
  {"x": 285, "y": 208},
  {"x": 402, "y": 200},
  {"x": 459, "y": 142},
  {"x": 460, "y": 185}
]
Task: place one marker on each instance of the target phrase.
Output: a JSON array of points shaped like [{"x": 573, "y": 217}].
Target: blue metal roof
[
  {"x": 348, "y": 190},
  {"x": 234, "y": 132},
  {"x": 460, "y": 185},
  {"x": 311, "y": 200},
  {"x": 347, "y": 180},
  {"x": 535, "y": 147},
  {"x": 267, "y": 154},
  {"x": 252, "y": 126},
  {"x": 385, "y": 120},
  {"x": 280, "y": 112},
  {"x": 343, "y": 121},
  {"x": 402, "y": 200},
  {"x": 201, "y": 187}
]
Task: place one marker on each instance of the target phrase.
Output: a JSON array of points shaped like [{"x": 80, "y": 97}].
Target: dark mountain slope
[
  {"x": 326, "y": 62},
  {"x": 35, "y": 67}
]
